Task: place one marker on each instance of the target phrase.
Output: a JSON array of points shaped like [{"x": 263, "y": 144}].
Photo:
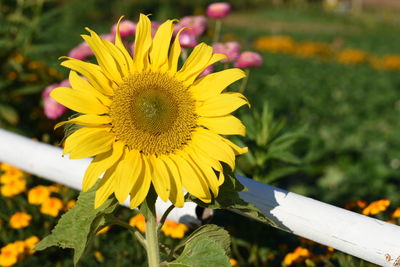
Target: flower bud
[
  {"x": 230, "y": 49},
  {"x": 126, "y": 28},
  {"x": 218, "y": 10},
  {"x": 249, "y": 59}
]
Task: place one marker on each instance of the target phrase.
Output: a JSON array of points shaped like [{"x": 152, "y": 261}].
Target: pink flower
[
  {"x": 65, "y": 83},
  {"x": 109, "y": 37},
  {"x": 52, "y": 109},
  {"x": 126, "y": 28},
  {"x": 230, "y": 49},
  {"x": 197, "y": 25},
  {"x": 81, "y": 51},
  {"x": 207, "y": 71},
  {"x": 218, "y": 10},
  {"x": 187, "y": 40},
  {"x": 249, "y": 59},
  {"x": 154, "y": 27}
]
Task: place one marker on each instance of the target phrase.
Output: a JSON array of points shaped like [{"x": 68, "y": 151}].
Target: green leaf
[
  {"x": 79, "y": 225},
  {"x": 9, "y": 114},
  {"x": 213, "y": 232},
  {"x": 204, "y": 252},
  {"x": 228, "y": 198}
]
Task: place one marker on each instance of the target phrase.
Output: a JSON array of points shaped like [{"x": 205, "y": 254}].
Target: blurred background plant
[{"x": 323, "y": 122}]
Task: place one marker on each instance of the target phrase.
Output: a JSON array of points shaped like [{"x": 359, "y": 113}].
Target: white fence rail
[{"x": 358, "y": 235}]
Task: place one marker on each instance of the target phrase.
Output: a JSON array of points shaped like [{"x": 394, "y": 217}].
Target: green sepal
[
  {"x": 79, "y": 225},
  {"x": 228, "y": 198}
]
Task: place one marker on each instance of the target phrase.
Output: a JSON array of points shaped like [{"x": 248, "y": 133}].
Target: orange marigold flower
[
  {"x": 174, "y": 229},
  {"x": 55, "y": 188},
  {"x": 99, "y": 256},
  {"x": 38, "y": 194},
  {"x": 20, "y": 220},
  {"x": 70, "y": 204},
  {"x": 13, "y": 187},
  {"x": 391, "y": 62},
  {"x": 233, "y": 262},
  {"x": 355, "y": 204},
  {"x": 20, "y": 247},
  {"x": 30, "y": 243},
  {"x": 275, "y": 44},
  {"x": 9, "y": 173},
  {"x": 139, "y": 222},
  {"x": 8, "y": 255},
  {"x": 310, "y": 49},
  {"x": 298, "y": 255},
  {"x": 352, "y": 56},
  {"x": 51, "y": 206},
  {"x": 396, "y": 213},
  {"x": 376, "y": 207},
  {"x": 103, "y": 230}
]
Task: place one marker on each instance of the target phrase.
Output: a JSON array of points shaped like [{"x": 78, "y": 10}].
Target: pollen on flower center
[{"x": 153, "y": 113}]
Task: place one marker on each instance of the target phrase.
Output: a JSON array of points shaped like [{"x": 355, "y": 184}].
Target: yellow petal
[
  {"x": 80, "y": 84},
  {"x": 237, "y": 149},
  {"x": 93, "y": 73},
  {"x": 120, "y": 45},
  {"x": 127, "y": 174},
  {"x": 195, "y": 64},
  {"x": 192, "y": 179},
  {"x": 103, "y": 56},
  {"x": 161, "y": 42},
  {"x": 221, "y": 105},
  {"x": 205, "y": 170},
  {"x": 100, "y": 164},
  {"x": 120, "y": 59},
  {"x": 105, "y": 188},
  {"x": 227, "y": 125},
  {"x": 87, "y": 142},
  {"x": 216, "y": 148},
  {"x": 176, "y": 195},
  {"x": 160, "y": 179},
  {"x": 78, "y": 100},
  {"x": 143, "y": 43},
  {"x": 215, "y": 58},
  {"x": 142, "y": 184},
  {"x": 175, "y": 53},
  {"x": 213, "y": 84},
  {"x": 87, "y": 120}
]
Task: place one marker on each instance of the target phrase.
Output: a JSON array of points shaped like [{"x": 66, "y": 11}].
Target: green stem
[
  {"x": 217, "y": 31},
  {"x": 153, "y": 250},
  {"x": 164, "y": 217},
  {"x": 131, "y": 229},
  {"x": 244, "y": 81}
]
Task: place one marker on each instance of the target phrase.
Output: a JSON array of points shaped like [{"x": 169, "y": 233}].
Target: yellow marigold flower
[
  {"x": 10, "y": 173},
  {"x": 310, "y": 49},
  {"x": 352, "y": 56},
  {"x": 20, "y": 247},
  {"x": 38, "y": 194},
  {"x": 376, "y": 207},
  {"x": 8, "y": 255},
  {"x": 390, "y": 62},
  {"x": 20, "y": 220},
  {"x": 103, "y": 230},
  {"x": 174, "y": 229},
  {"x": 70, "y": 204},
  {"x": 30, "y": 243},
  {"x": 233, "y": 262},
  {"x": 396, "y": 213},
  {"x": 51, "y": 206},
  {"x": 99, "y": 256},
  {"x": 275, "y": 44},
  {"x": 55, "y": 188},
  {"x": 139, "y": 222},
  {"x": 13, "y": 187},
  {"x": 147, "y": 122},
  {"x": 298, "y": 255}
]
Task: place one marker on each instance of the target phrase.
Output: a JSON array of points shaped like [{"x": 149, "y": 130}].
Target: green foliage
[
  {"x": 228, "y": 198},
  {"x": 271, "y": 155},
  {"x": 78, "y": 226}
]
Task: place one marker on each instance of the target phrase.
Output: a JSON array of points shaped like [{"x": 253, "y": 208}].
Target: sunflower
[{"x": 145, "y": 121}]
